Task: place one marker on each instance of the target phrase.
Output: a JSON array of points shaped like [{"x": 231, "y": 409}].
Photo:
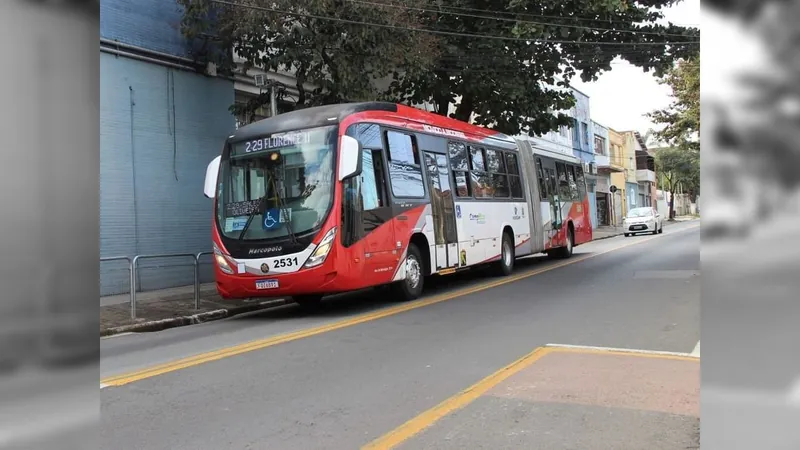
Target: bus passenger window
[
  {"x": 573, "y": 187},
  {"x": 500, "y": 184},
  {"x": 462, "y": 187},
  {"x": 543, "y": 194},
  {"x": 563, "y": 184},
  {"x": 458, "y": 162},
  {"x": 476, "y": 159},
  {"x": 370, "y": 191},
  {"x": 405, "y": 171},
  {"x": 514, "y": 181}
]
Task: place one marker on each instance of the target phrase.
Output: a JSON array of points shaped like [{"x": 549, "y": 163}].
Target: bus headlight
[
  {"x": 222, "y": 262},
  {"x": 322, "y": 251}
]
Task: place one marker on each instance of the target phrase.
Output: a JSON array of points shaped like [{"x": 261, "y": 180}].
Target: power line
[
  {"x": 510, "y": 19},
  {"x": 443, "y": 32},
  {"x": 520, "y": 14}
]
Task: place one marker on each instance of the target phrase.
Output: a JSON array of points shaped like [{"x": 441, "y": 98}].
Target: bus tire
[
  {"x": 566, "y": 251},
  {"x": 308, "y": 301},
  {"x": 505, "y": 266},
  {"x": 411, "y": 287}
]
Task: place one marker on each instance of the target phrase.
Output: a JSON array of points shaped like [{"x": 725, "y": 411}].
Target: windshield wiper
[
  {"x": 250, "y": 217},
  {"x": 282, "y": 208}
]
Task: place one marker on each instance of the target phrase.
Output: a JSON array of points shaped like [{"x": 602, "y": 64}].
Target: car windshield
[
  {"x": 640, "y": 212},
  {"x": 287, "y": 179}
]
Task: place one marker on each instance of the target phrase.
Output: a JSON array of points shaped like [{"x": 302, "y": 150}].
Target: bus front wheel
[{"x": 411, "y": 287}]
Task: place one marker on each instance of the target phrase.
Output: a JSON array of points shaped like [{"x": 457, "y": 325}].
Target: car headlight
[
  {"x": 222, "y": 262},
  {"x": 322, "y": 250}
]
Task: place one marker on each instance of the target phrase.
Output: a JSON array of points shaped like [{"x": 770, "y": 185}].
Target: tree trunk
[
  {"x": 672, "y": 201},
  {"x": 464, "y": 110},
  {"x": 442, "y": 105}
]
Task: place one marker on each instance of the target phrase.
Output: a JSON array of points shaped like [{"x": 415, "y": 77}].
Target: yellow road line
[
  {"x": 456, "y": 402},
  {"x": 119, "y": 380}
]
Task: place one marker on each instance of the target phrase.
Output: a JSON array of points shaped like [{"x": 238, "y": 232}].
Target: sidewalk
[
  {"x": 564, "y": 397},
  {"x": 167, "y": 308}
]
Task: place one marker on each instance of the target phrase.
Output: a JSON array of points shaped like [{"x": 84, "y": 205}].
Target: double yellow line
[{"x": 183, "y": 363}]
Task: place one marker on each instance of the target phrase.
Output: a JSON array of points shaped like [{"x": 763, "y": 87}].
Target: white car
[{"x": 643, "y": 220}]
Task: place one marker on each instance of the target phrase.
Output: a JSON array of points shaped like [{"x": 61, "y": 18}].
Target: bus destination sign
[{"x": 275, "y": 142}]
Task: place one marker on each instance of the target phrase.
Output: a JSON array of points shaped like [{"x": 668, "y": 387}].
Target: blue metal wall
[
  {"x": 159, "y": 128},
  {"x": 150, "y": 24}
]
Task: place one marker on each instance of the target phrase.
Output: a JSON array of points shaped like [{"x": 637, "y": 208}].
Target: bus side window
[
  {"x": 543, "y": 194},
  {"x": 563, "y": 184},
  {"x": 573, "y": 186},
  {"x": 458, "y": 163},
  {"x": 405, "y": 170},
  {"x": 514, "y": 180}
]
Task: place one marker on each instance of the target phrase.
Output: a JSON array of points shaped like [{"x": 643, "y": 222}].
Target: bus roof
[{"x": 333, "y": 114}]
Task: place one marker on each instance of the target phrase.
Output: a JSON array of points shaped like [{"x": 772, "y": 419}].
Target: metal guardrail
[
  {"x": 132, "y": 274},
  {"x": 133, "y": 267}
]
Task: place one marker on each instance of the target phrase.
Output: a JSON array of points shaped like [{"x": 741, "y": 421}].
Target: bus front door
[{"x": 442, "y": 211}]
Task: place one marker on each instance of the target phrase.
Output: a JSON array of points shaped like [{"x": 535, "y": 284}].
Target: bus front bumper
[{"x": 320, "y": 280}]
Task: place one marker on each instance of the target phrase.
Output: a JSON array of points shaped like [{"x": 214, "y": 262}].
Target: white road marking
[
  {"x": 696, "y": 351},
  {"x": 625, "y": 350},
  {"x": 117, "y": 335},
  {"x": 103, "y": 386}
]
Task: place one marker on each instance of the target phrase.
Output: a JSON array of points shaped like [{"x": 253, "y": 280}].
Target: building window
[
  {"x": 599, "y": 145},
  {"x": 585, "y": 128}
]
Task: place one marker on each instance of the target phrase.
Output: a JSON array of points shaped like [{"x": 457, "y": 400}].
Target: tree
[
  {"x": 332, "y": 59},
  {"x": 505, "y": 64},
  {"x": 681, "y": 119},
  {"x": 509, "y": 62},
  {"x": 679, "y": 166}
]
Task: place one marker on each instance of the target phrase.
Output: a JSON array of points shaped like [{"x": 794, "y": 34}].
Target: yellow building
[{"x": 623, "y": 157}]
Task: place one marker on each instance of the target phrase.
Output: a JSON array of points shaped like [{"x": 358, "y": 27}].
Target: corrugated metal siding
[
  {"x": 150, "y": 24},
  {"x": 171, "y": 214}
]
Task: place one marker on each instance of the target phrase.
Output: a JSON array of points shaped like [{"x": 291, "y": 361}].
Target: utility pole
[{"x": 273, "y": 100}]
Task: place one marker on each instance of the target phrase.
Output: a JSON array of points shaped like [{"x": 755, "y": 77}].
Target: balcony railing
[{"x": 646, "y": 175}]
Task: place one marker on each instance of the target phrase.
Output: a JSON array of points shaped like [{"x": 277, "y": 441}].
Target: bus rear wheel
[
  {"x": 411, "y": 287},
  {"x": 565, "y": 251},
  {"x": 308, "y": 301},
  {"x": 505, "y": 266}
]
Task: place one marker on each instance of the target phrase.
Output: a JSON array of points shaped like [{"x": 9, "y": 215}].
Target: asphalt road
[{"x": 345, "y": 375}]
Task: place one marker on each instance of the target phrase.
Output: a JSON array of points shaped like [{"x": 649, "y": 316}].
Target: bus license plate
[{"x": 267, "y": 284}]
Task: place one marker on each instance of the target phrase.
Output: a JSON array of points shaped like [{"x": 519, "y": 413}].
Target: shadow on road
[{"x": 372, "y": 299}]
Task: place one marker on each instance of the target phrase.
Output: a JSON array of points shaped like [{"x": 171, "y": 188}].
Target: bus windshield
[{"x": 285, "y": 181}]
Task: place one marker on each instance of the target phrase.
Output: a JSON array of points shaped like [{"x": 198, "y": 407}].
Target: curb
[{"x": 209, "y": 316}]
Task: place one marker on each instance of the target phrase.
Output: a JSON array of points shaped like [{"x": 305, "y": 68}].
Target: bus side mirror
[
  {"x": 349, "y": 158},
  {"x": 210, "y": 187}
]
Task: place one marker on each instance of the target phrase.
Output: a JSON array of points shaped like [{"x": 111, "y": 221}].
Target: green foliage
[
  {"x": 512, "y": 85},
  {"x": 680, "y": 165},
  {"x": 681, "y": 119},
  {"x": 504, "y": 63}
]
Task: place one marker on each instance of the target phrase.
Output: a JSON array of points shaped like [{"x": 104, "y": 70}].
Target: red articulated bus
[{"x": 344, "y": 197}]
